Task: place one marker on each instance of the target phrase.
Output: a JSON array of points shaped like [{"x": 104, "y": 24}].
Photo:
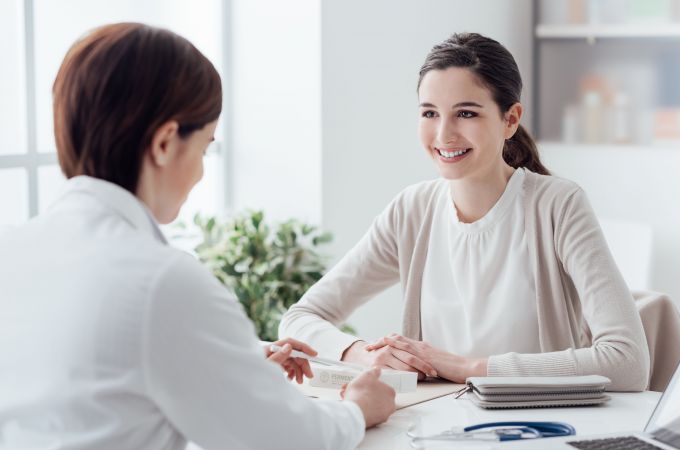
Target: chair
[{"x": 661, "y": 321}]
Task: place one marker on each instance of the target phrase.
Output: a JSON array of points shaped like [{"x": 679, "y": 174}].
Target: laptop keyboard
[{"x": 617, "y": 443}]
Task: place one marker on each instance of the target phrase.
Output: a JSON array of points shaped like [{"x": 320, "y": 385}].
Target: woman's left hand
[
  {"x": 448, "y": 365},
  {"x": 294, "y": 367}
]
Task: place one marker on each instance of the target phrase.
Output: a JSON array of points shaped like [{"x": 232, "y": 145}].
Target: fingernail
[{"x": 433, "y": 373}]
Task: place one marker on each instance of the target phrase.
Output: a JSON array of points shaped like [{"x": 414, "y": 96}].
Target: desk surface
[{"x": 624, "y": 412}]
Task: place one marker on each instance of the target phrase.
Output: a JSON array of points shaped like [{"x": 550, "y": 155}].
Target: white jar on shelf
[
  {"x": 620, "y": 119},
  {"x": 592, "y": 125},
  {"x": 570, "y": 123}
]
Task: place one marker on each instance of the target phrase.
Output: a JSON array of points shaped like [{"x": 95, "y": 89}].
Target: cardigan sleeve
[
  {"x": 619, "y": 349},
  {"x": 367, "y": 269}
]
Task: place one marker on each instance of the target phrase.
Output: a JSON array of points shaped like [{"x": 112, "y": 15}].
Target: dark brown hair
[
  {"x": 496, "y": 69},
  {"x": 116, "y": 86}
]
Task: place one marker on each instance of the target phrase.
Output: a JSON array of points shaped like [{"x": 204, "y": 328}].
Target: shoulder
[
  {"x": 412, "y": 206},
  {"x": 549, "y": 191},
  {"x": 184, "y": 291},
  {"x": 179, "y": 270},
  {"x": 419, "y": 195}
]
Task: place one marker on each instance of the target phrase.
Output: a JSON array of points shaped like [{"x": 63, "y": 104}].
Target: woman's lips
[{"x": 452, "y": 155}]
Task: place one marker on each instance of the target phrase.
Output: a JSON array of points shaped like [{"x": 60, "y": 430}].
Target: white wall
[
  {"x": 640, "y": 185},
  {"x": 275, "y": 147},
  {"x": 371, "y": 54}
]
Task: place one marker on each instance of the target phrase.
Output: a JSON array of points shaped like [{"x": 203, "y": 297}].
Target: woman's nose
[{"x": 447, "y": 132}]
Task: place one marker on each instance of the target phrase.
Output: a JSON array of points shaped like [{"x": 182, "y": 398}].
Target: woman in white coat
[{"x": 112, "y": 339}]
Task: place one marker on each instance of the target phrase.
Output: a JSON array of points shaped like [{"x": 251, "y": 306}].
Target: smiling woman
[{"x": 502, "y": 266}]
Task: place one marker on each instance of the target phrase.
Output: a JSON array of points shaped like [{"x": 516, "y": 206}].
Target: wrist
[
  {"x": 477, "y": 367},
  {"x": 355, "y": 352}
]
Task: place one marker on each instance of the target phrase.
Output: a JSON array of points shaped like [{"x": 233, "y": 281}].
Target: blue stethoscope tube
[
  {"x": 518, "y": 430},
  {"x": 538, "y": 429}
]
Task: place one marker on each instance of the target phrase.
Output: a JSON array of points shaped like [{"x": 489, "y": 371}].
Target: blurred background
[{"x": 320, "y": 109}]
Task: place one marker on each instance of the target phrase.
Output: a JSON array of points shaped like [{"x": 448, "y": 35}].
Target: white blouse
[{"x": 478, "y": 296}]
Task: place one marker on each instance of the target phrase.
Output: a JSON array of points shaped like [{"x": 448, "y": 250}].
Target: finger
[
  {"x": 298, "y": 374},
  {"x": 293, "y": 370},
  {"x": 374, "y": 371},
  {"x": 403, "y": 343},
  {"x": 306, "y": 368},
  {"x": 282, "y": 355},
  {"x": 395, "y": 363},
  {"x": 414, "y": 361},
  {"x": 298, "y": 345},
  {"x": 376, "y": 345},
  {"x": 390, "y": 361}
]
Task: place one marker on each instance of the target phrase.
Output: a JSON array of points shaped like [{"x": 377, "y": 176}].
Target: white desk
[{"x": 625, "y": 412}]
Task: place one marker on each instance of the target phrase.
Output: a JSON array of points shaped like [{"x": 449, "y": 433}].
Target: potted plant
[{"x": 268, "y": 267}]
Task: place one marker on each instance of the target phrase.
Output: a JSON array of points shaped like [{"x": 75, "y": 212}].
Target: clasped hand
[{"x": 401, "y": 353}]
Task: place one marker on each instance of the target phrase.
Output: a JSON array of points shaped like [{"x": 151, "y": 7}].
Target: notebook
[
  {"x": 662, "y": 430},
  {"x": 536, "y": 392}
]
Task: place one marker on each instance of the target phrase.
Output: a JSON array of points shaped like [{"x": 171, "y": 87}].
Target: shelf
[{"x": 601, "y": 31}]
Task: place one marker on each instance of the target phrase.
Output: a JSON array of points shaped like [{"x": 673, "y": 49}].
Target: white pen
[{"x": 318, "y": 359}]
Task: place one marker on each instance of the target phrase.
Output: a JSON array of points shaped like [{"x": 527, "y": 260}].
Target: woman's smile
[{"x": 452, "y": 155}]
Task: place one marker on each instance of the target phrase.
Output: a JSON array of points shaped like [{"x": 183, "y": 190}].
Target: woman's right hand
[{"x": 388, "y": 357}]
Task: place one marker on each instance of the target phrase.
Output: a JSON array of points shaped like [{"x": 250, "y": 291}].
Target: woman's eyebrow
[
  {"x": 467, "y": 105},
  {"x": 457, "y": 105}
]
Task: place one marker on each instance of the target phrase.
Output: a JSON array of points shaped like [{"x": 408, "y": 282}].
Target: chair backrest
[{"x": 661, "y": 321}]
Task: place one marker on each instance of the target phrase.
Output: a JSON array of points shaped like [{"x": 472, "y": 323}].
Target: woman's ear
[
  {"x": 162, "y": 143},
  {"x": 512, "y": 118}
]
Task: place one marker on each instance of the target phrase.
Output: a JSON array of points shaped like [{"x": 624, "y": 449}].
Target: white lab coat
[{"x": 111, "y": 339}]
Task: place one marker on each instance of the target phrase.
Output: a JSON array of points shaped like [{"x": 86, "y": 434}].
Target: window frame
[{"x": 32, "y": 160}]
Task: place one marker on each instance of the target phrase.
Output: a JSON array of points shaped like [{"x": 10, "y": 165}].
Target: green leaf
[{"x": 269, "y": 267}]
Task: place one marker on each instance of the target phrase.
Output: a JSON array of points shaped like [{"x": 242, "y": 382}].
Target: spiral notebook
[{"x": 536, "y": 392}]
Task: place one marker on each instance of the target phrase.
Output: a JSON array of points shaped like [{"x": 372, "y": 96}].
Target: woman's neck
[{"x": 475, "y": 196}]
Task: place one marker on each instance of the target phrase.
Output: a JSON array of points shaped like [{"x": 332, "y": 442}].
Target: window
[{"x": 34, "y": 37}]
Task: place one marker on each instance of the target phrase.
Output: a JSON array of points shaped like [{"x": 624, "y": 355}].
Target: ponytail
[{"x": 521, "y": 151}]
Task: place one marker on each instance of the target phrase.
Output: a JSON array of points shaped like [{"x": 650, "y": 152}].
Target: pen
[{"x": 318, "y": 359}]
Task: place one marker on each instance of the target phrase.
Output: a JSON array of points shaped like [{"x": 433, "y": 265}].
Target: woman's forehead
[{"x": 452, "y": 85}]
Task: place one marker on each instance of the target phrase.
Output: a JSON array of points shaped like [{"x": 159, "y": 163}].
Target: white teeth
[{"x": 451, "y": 154}]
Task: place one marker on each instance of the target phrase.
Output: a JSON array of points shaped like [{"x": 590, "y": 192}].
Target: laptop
[{"x": 661, "y": 432}]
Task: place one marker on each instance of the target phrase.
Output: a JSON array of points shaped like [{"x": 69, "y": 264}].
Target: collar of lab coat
[{"x": 121, "y": 201}]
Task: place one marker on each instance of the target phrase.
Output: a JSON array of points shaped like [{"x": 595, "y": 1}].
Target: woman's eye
[
  {"x": 467, "y": 114},
  {"x": 428, "y": 114}
]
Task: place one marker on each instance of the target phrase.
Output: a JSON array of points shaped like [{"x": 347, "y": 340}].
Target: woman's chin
[
  {"x": 450, "y": 174},
  {"x": 169, "y": 216}
]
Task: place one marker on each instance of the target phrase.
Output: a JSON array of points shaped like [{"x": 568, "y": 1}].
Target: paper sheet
[{"x": 427, "y": 390}]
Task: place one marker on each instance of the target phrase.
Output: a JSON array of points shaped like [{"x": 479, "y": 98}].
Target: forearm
[
  {"x": 626, "y": 366},
  {"x": 302, "y": 324}
]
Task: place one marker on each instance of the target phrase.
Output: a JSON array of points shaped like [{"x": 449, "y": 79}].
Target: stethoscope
[{"x": 499, "y": 432}]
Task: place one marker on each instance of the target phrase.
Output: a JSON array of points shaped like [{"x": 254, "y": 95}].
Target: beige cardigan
[{"x": 579, "y": 290}]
